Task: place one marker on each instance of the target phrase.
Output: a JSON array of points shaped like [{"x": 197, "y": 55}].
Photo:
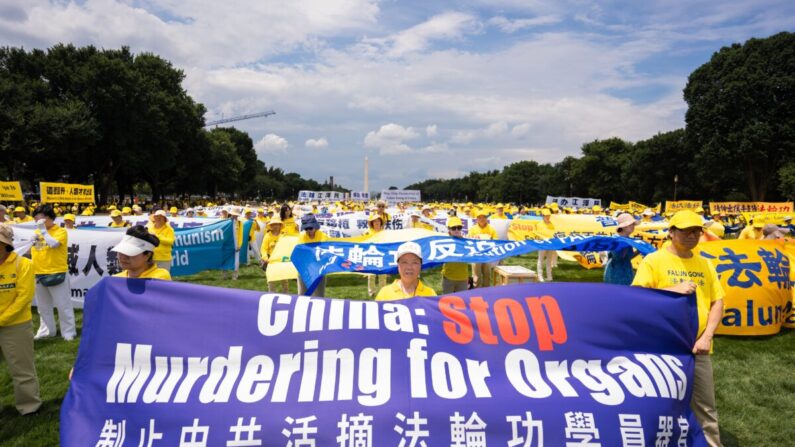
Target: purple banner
[{"x": 174, "y": 364}]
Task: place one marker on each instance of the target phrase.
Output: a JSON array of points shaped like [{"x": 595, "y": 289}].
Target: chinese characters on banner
[
  {"x": 520, "y": 365},
  {"x": 66, "y": 193},
  {"x": 10, "y": 192},
  {"x": 757, "y": 278},
  {"x": 305, "y": 196},
  {"x": 750, "y": 207},
  {"x": 574, "y": 202},
  {"x": 692, "y": 205}
]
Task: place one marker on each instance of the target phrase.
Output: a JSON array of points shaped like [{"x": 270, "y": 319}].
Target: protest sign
[
  {"x": 757, "y": 278},
  {"x": 10, "y": 192},
  {"x": 103, "y": 221},
  {"x": 321, "y": 195},
  {"x": 574, "y": 202},
  {"x": 89, "y": 255},
  {"x": 393, "y": 196},
  {"x": 521, "y": 365},
  {"x": 750, "y": 207},
  {"x": 66, "y": 193},
  {"x": 692, "y": 205}
]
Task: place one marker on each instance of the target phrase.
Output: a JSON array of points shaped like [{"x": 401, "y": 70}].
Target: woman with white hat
[
  {"x": 409, "y": 262},
  {"x": 136, "y": 253},
  {"x": 159, "y": 227},
  {"x": 618, "y": 269}
]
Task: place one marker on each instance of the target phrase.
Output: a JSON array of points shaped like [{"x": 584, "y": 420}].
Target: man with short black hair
[{"x": 678, "y": 268}]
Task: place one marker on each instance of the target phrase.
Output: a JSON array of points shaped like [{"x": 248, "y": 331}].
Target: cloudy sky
[{"x": 425, "y": 89}]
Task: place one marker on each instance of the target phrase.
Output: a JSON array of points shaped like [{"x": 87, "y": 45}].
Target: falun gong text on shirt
[{"x": 174, "y": 364}]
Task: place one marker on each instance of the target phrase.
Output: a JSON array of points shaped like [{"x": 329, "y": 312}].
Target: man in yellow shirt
[
  {"x": 455, "y": 275},
  {"x": 678, "y": 268},
  {"x": 21, "y": 216},
  {"x": 117, "y": 221},
  {"x": 48, "y": 254},
  {"x": 481, "y": 273},
  {"x": 16, "y": 325},
  {"x": 409, "y": 261},
  {"x": 310, "y": 232},
  {"x": 159, "y": 226}
]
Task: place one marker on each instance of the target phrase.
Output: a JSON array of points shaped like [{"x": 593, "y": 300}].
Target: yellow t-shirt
[
  {"x": 422, "y": 225},
  {"x": 166, "y": 235},
  {"x": 751, "y": 233},
  {"x": 268, "y": 244},
  {"x": 16, "y": 290},
  {"x": 288, "y": 226},
  {"x": 47, "y": 260},
  {"x": 304, "y": 238},
  {"x": 153, "y": 272},
  {"x": 393, "y": 292},
  {"x": 27, "y": 218},
  {"x": 478, "y": 232},
  {"x": 122, "y": 224},
  {"x": 456, "y": 271},
  {"x": 663, "y": 269}
]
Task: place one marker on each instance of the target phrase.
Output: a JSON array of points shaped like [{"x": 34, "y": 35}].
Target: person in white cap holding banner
[
  {"x": 159, "y": 227},
  {"x": 409, "y": 261},
  {"x": 16, "y": 323},
  {"x": 136, "y": 253}
]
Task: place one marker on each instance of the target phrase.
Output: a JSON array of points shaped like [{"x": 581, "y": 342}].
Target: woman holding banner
[
  {"x": 165, "y": 234},
  {"x": 289, "y": 226},
  {"x": 311, "y": 233},
  {"x": 618, "y": 269},
  {"x": 136, "y": 253},
  {"x": 49, "y": 253}
]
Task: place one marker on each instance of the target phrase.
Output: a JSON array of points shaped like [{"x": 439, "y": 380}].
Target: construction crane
[{"x": 239, "y": 118}]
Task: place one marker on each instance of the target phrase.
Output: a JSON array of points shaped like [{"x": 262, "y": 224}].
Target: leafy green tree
[{"x": 740, "y": 117}]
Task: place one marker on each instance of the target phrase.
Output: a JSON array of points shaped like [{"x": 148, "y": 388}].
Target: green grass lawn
[{"x": 754, "y": 376}]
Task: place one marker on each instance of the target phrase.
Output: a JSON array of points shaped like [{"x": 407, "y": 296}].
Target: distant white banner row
[{"x": 333, "y": 195}]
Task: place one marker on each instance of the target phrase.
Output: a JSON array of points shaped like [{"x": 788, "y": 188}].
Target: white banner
[
  {"x": 104, "y": 221},
  {"x": 358, "y": 196},
  {"x": 574, "y": 202},
  {"x": 355, "y": 224},
  {"x": 320, "y": 195},
  {"x": 393, "y": 196}
]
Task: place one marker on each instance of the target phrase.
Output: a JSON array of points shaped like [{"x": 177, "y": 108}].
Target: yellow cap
[
  {"x": 481, "y": 212},
  {"x": 173, "y": 210},
  {"x": 19, "y": 209},
  {"x": 115, "y": 213},
  {"x": 546, "y": 212},
  {"x": 69, "y": 217},
  {"x": 686, "y": 219},
  {"x": 126, "y": 209},
  {"x": 454, "y": 221}
]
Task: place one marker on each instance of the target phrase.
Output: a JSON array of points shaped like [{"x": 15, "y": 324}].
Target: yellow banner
[
  {"x": 750, "y": 207},
  {"x": 620, "y": 206},
  {"x": 575, "y": 225},
  {"x": 10, "y": 192},
  {"x": 758, "y": 281},
  {"x": 66, "y": 193},
  {"x": 692, "y": 205},
  {"x": 768, "y": 218},
  {"x": 638, "y": 208}
]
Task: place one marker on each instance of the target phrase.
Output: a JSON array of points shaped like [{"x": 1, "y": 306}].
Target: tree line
[
  {"x": 738, "y": 144},
  {"x": 124, "y": 123}
]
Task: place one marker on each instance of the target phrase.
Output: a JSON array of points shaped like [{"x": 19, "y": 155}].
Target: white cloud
[
  {"x": 513, "y": 25},
  {"x": 520, "y": 130},
  {"x": 317, "y": 143},
  {"x": 271, "y": 143},
  {"x": 445, "y": 26},
  {"x": 390, "y": 138},
  {"x": 431, "y": 131}
]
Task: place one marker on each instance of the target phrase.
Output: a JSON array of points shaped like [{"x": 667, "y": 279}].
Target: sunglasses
[{"x": 458, "y": 228}]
